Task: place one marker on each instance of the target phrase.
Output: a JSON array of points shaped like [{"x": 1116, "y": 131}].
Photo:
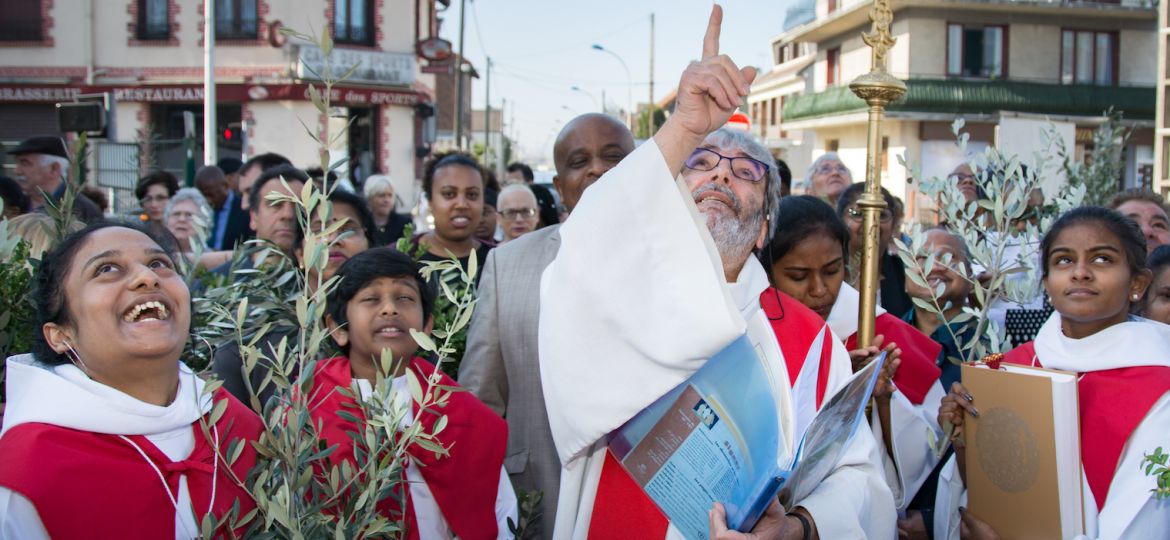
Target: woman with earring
[
  {"x": 107, "y": 434},
  {"x": 1093, "y": 267}
]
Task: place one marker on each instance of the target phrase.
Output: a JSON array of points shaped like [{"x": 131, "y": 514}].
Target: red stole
[
  {"x": 465, "y": 483},
  {"x": 919, "y": 369},
  {"x": 1112, "y": 403},
  {"x": 621, "y": 509},
  {"x": 796, "y": 328},
  {"x": 94, "y": 485}
]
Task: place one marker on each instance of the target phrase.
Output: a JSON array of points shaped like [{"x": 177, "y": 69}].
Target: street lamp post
[
  {"x": 629, "y": 85},
  {"x": 586, "y": 92}
]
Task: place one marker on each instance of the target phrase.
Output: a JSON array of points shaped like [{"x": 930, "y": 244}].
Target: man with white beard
[{"x": 625, "y": 320}]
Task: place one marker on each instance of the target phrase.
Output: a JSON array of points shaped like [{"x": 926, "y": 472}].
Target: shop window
[
  {"x": 20, "y": 20},
  {"x": 833, "y": 66},
  {"x": 1088, "y": 57},
  {"x": 154, "y": 20},
  {"x": 235, "y": 19},
  {"x": 353, "y": 22},
  {"x": 976, "y": 51}
]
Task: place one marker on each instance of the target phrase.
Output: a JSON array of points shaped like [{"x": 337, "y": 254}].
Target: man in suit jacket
[
  {"x": 501, "y": 366},
  {"x": 229, "y": 222}
]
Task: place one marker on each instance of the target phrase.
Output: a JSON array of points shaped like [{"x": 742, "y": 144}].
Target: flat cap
[{"x": 48, "y": 145}]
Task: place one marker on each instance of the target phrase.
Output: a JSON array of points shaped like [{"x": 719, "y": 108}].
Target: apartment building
[{"x": 1012, "y": 69}]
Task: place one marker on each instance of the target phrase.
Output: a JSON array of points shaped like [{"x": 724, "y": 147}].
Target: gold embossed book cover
[{"x": 1024, "y": 452}]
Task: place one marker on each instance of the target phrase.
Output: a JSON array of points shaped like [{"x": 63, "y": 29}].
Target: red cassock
[
  {"x": 623, "y": 510},
  {"x": 1112, "y": 403},
  {"x": 464, "y": 483},
  {"x": 95, "y": 485}
]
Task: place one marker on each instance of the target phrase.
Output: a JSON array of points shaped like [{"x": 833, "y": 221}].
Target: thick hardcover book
[
  {"x": 1024, "y": 451},
  {"x": 717, "y": 437}
]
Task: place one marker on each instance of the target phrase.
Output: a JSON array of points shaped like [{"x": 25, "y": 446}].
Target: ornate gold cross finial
[{"x": 879, "y": 38}]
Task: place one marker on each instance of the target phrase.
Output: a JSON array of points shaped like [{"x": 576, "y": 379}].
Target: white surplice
[
  {"x": 1130, "y": 512},
  {"x": 913, "y": 427},
  {"x": 635, "y": 302}
]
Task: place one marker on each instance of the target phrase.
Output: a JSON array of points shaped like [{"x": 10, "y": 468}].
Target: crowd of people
[{"x": 591, "y": 305}]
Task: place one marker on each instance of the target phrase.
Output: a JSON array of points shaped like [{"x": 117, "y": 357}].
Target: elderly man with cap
[{"x": 42, "y": 168}]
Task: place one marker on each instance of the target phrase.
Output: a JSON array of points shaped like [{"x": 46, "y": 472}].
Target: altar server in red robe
[
  {"x": 806, "y": 257},
  {"x": 107, "y": 433},
  {"x": 1093, "y": 268},
  {"x": 465, "y": 494}
]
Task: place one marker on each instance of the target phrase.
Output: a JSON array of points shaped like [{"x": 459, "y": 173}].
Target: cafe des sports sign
[{"x": 225, "y": 93}]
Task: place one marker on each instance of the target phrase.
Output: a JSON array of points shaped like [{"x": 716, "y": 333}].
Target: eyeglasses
[
  {"x": 517, "y": 213},
  {"x": 154, "y": 198},
  {"x": 744, "y": 168},
  {"x": 855, "y": 214}
]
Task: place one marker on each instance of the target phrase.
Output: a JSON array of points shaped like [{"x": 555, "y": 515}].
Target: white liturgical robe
[
  {"x": 1130, "y": 512},
  {"x": 634, "y": 303}
]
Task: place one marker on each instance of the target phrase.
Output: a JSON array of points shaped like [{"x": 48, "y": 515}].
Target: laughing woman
[
  {"x": 1093, "y": 268},
  {"x": 107, "y": 433}
]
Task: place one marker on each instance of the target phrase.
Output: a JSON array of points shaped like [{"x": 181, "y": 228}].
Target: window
[
  {"x": 353, "y": 22},
  {"x": 154, "y": 20},
  {"x": 756, "y": 112},
  {"x": 772, "y": 117},
  {"x": 235, "y": 19},
  {"x": 20, "y": 20},
  {"x": 976, "y": 51},
  {"x": 1088, "y": 57},
  {"x": 831, "y": 145},
  {"x": 763, "y": 116},
  {"x": 833, "y": 66}
]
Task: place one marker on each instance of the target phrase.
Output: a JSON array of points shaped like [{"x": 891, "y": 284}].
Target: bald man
[{"x": 501, "y": 366}]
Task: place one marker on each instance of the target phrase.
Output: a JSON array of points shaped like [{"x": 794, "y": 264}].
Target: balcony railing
[{"x": 984, "y": 97}]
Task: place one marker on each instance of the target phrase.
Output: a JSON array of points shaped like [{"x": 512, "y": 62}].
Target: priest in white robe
[{"x": 654, "y": 276}]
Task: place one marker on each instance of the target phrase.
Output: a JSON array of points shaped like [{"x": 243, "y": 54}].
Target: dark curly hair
[
  {"x": 49, "y": 283},
  {"x": 446, "y": 160}
]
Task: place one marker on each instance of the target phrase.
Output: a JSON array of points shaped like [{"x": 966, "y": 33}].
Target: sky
[{"x": 540, "y": 50}]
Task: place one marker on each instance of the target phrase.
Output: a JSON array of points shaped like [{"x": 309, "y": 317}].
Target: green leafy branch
[{"x": 1155, "y": 465}]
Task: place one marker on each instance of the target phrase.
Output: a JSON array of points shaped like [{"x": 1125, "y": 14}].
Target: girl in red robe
[
  {"x": 1093, "y": 268},
  {"x": 107, "y": 433}
]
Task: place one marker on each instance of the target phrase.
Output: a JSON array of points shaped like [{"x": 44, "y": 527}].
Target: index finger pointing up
[{"x": 711, "y": 40}]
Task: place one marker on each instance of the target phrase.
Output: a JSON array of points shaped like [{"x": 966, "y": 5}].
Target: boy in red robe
[{"x": 466, "y": 494}]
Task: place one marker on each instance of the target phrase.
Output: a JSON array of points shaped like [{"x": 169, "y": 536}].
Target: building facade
[
  {"x": 146, "y": 58},
  {"x": 1012, "y": 70}
]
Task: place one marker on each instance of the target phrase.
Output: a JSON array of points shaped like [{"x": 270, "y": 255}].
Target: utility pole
[
  {"x": 459, "y": 79},
  {"x": 487, "y": 112},
  {"x": 650, "y": 116},
  {"x": 209, "y": 128}
]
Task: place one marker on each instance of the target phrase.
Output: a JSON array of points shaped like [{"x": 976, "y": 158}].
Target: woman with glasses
[
  {"x": 379, "y": 192},
  {"x": 893, "y": 296},
  {"x": 154, "y": 191},
  {"x": 518, "y": 211},
  {"x": 827, "y": 178},
  {"x": 187, "y": 216}
]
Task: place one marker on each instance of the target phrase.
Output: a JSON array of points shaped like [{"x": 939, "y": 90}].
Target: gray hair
[
  {"x": 808, "y": 175},
  {"x": 750, "y": 145},
  {"x": 512, "y": 188},
  {"x": 193, "y": 195},
  {"x": 375, "y": 184},
  {"x": 47, "y": 160}
]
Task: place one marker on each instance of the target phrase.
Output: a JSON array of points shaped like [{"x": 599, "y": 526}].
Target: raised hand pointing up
[{"x": 708, "y": 93}]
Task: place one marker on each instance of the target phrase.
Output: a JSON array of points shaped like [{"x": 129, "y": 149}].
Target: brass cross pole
[{"x": 878, "y": 88}]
